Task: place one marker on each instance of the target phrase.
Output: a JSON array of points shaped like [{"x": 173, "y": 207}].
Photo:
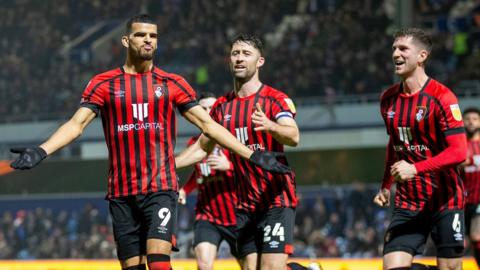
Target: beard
[
  {"x": 142, "y": 54},
  {"x": 471, "y": 133}
]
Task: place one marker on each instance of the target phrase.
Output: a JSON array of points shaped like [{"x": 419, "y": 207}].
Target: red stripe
[
  {"x": 131, "y": 141},
  {"x": 114, "y": 174},
  {"x": 152, "y": 143}
]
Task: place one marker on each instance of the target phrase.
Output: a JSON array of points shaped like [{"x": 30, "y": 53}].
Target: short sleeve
[
  {"x": 93, "y": 95},
  {"x": 184, "y": 97},
  {"x": 450, "y": 115},
  {"x": 282, "y": 106},
  {"x": 215, "y": 112}
]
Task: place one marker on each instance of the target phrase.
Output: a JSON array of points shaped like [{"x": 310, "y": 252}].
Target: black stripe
[
  {"x": 158, "y": 155},
  {"x": 264, "y": 177},
  {"x": 136, "y": 139},
  {"x": 453, "y": 131},
  {"x": 440, "y": 107},
  {"x": 146, "y": 135},
  {"x": 186, "y": 106},
  {"x": 426, "y": 128},
  {"x": 166, "y": 128},
  {"x": 401, "y": 123},
  {"x": 100, "y": 83},
  {"x": 241, "y": 161},
  {"x": 126, "y": 150},
  {"x": 216, "y": 189},
  {"x": 419, "y": 137},
  {"x": 391, "y": 121},
  {"x": 182, "y": 88},
  {"x": 412, "y": 142},
  {"x": 114, "y": 122},
  {"x": 92, "y": 106}
]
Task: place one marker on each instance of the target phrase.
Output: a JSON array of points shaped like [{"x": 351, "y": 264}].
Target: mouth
[
  {"x": 239, "y": 67},
  {"x": 148, "y": 47},
  {"x": 398, "y": 63}
]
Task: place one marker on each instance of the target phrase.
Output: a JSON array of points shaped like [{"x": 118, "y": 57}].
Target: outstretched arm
[
  {"x": 69, "y": 131},
  {"x": 211, "y": 129},
  {"x": 195, "y": 152},
  {"x": 200, "y": 118},
  {"x": 72, "y": 129}
]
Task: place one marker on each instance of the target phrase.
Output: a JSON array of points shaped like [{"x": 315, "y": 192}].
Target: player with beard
[
  {"x": 262, "y": 118},
  {"x": 471, "y": 176},
  {"x": 137, "y": 103}
]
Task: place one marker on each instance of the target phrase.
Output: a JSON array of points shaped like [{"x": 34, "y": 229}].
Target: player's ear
[
  {"x": 261, "y": 61},
  {"x": 125, "y": 41},
  {"x": 422, "y": 56}
]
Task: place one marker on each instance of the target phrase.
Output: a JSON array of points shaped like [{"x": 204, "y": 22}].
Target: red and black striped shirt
[
  {"x": 471, "y": 173},
  {"x": 418, "y": 126},
  {"x": 216, "y": 200},
  {"x": 257, "y": 188},
  {"x": 139, "y": 125}
]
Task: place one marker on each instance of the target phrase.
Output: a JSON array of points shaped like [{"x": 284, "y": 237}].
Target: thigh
[
  {"x": 245, "y": 231},
  {"x": 229, "y": 234},
  {"x": 160, "y": 216},
  {"x": 205, "y": 231},
  {"x": 407, "y": 232},
  {"x": 472, "y": 220},
  {"x": 276, "y": 231},
  {"x": 128, "y": 229},
  {"x": 448, "y": 233}
]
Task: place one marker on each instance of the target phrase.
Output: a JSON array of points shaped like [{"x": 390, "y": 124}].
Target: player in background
[
  {"x": 471, "y": 176},
  {"x": 262, "y": 118},
  {"x": 216, "y": 200},
  {"x": 427, "y": 142},
  {"x": 137, "y": 103}
]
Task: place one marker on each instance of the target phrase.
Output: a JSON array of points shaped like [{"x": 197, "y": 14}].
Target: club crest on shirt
[
  {"x": 158, "y": 90},
  {"x": 290, "y": 104},
  {"x": 420, "y": 113},
  {"x": 457, "y": 114}
]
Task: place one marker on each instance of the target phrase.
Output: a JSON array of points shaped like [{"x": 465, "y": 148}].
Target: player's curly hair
[
  {"x": 418, "y": 35},
  {"x": 139, "y": 18},
  {"x": 251, "y": 39}
]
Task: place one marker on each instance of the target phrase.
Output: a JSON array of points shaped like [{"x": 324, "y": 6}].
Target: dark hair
[
  {"x": 471, "y": 110},
  {"x": 251, "y": 39},
  {"x": 139, "y": 18},
  {"x": 418, "y": 36},
  {"x": 203, "y": 95}
]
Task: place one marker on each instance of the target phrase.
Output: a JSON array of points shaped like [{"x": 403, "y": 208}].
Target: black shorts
[
  {"x": 409, "y": 230},
  {"x": 205, "y": 231},
  {"x": 471, "y": 211},
  {"x": 269, "y": 231},
  {"x": 138, "y": 218}
]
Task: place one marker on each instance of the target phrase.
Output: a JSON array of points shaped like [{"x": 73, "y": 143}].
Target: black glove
[
  {"x": 29, "y": 157},
  {"x": 269, "y": 161}
]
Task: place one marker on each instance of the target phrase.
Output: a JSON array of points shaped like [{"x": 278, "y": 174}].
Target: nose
[{"x": 396, "y": 53}]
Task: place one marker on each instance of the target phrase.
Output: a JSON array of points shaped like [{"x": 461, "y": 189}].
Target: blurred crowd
[
  {"x": 42, "y": 233},
  {"x": 330, "y": 222},
  {"x": 313, "y": 47}
]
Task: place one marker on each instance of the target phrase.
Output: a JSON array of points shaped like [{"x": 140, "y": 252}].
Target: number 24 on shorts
[{"x": 277, "y": 231}]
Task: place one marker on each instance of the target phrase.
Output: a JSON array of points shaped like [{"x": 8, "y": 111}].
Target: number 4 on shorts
[{"x": 277, "y": 231}]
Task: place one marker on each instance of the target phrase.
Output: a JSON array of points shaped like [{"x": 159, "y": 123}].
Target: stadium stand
[
  {"x": 331, "y": 222},
  {"x": 309, "y": 44}
]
